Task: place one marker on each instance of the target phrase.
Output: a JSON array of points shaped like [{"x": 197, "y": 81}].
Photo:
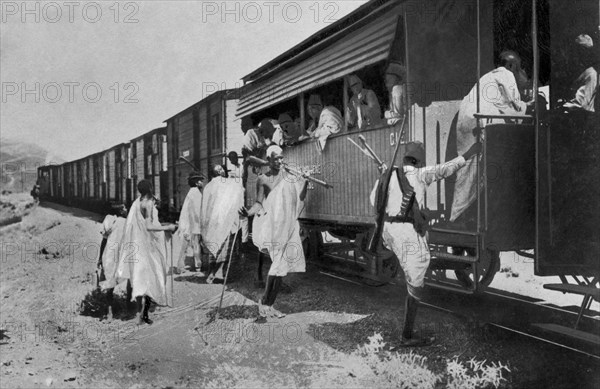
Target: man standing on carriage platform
[
  {"x": 405, "y": 224},
  {"x": 498, "y": 95},
  {"x": 276, "y": 230}
]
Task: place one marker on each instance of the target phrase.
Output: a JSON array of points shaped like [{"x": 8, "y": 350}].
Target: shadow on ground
[{"x": 96, "y": 303}]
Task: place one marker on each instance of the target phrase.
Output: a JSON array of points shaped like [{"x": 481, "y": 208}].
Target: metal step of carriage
[{"x": 443, "y": 239}]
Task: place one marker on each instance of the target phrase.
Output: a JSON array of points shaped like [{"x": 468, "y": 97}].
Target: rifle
[
  {"x": 381, "y": 199},
  {"x": 294, "y": 172}
]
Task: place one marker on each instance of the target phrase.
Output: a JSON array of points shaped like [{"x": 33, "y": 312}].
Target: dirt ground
[{"x": 336, "y": 333}]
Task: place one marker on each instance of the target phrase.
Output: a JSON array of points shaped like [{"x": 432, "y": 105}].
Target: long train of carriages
[{"x": 540, "y": 195}]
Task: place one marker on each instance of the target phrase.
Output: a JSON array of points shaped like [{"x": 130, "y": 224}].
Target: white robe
[
  {"x": 330, "y": 123},
  {"x": 189, "y": 223},
  {"x": 113, "y": 230},
  {"x": 144, "y": 255},
  {"x": 189, "y": 218},
  {"x": 278, "y": 231},
  {"x": 223, "y": 197},
  {"x": 498, "y": 91}
]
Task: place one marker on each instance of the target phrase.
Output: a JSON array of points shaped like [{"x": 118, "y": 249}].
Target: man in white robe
[
  {"x": 363, "y": 108},
  {"x": 276, "y": 230},
  {"x": 395, "y": 82},
  {"x": 189, "y": 221},
  {"x": 143, "y": 258},
  {"x": 113, "y": 228},
  {"x": 326, "y": 121},
  {"x": 498, "y": 94},
  {"x": 219, "y": 221}
]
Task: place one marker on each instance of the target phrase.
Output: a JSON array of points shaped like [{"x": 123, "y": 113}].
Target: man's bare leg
[
  {"x": 271, "y": 291},
  {"x": 141, "y": 302},
  {"x": 146, "y": 304},
  {"x": 259, "y": 279},
  {"x": 109, "y": 300},
  {"x": 129, "y": 292}
]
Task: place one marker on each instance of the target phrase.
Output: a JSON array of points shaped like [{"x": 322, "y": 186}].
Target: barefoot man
[
  {"x": 143, "y": 257},
  {"x": 276, "y": 230}
]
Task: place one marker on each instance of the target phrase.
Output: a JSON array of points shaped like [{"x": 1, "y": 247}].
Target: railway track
[
  {"x": 508, "y": 313},
  {"x": 517, "y": 315}
]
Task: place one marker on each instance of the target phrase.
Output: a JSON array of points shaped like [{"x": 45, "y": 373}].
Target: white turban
[{"x": 273, "y": 149}]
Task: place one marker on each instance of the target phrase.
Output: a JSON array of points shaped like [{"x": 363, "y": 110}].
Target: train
[
  {"x": 531, "y": 167},
  {"x": 107, "y": 178}
]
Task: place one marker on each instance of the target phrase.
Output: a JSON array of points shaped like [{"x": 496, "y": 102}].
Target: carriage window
[
  {"x": 164, "y": 153},
  {"x": 129, "y": 162},
  {"x": 330, "y": 95},
  {"x": 149, "y": 165},
  {"x": 214, "y": 133},
  {"x": 105, "y": 169}
]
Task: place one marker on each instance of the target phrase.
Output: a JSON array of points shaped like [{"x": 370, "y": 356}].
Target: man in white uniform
[{"x": 405, "y": 225}]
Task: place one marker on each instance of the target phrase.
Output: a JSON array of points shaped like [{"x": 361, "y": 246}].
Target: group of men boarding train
[{"x": 213, "y": 216}]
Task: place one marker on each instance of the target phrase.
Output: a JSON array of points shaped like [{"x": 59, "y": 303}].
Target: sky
[{"x": 79, "y": 77}]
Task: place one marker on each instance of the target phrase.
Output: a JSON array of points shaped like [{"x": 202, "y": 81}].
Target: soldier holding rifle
[{"x": 402, "y": 222}]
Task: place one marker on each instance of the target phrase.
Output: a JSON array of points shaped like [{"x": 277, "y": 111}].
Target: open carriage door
[{"x": 568, "y": 154}]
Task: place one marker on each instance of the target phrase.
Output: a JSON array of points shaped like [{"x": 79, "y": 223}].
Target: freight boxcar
[
  {"x": 147, "y": 158},
  {"x": 202, "y": 134}
]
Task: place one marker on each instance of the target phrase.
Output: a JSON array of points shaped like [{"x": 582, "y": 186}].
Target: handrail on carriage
[
  {"x": 502, "y": 116},
  {"x": 451, "y": 231}
]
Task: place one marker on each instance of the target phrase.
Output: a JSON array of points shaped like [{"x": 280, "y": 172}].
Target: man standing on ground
[
  {"x": 189, "y": 221},
  {"x": 405, "y": 223},
  {"x": 113, "y": 228},
  {"x": 276, "y": 230},
  {"x": 220, "y": 220},
  {"x": 143, "y": 256}
]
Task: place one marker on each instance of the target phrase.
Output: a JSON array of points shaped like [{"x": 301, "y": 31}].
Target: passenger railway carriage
[
  {"x": 532, "y": 171},
  {"x": 539, "y": 190}
]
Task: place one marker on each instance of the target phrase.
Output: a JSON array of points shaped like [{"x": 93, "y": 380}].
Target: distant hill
[{"x": 19, "y": 161}]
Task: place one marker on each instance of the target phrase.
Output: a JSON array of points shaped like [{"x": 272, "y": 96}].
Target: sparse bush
[
  {"x": 395, "y": 369},
  {"x": 475, "y": 375}
]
